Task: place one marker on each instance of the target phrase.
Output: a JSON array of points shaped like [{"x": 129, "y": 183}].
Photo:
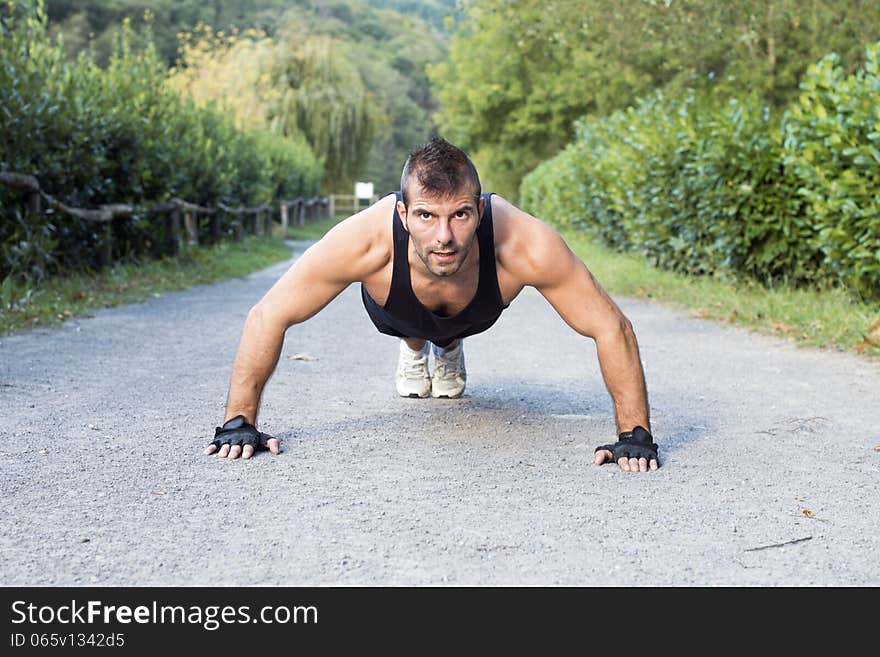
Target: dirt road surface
[{"x": 769, "y": 475}]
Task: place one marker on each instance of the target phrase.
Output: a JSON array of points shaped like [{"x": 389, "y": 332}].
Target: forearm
[
  {"x": 258, "y": 353},
  {"x": 621, "y": 367}
]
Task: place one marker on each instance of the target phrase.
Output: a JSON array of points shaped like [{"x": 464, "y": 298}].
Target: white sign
[{"x": 363, "y": 190}]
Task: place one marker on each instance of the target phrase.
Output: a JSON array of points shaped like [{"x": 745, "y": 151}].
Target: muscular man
[{"x": 437, "y": 262}]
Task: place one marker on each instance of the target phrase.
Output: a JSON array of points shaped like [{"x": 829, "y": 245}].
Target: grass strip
[
  {"x": 313, "y": 230},
  {"x": 60, "y": 298},
  {"x": 822, "y": 318}
]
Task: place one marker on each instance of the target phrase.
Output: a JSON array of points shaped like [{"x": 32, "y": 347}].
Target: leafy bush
[
  {"x": 95, "y": 136},
  {"x": 706, "y": 185},
  {"x": 832, "y": 149}
]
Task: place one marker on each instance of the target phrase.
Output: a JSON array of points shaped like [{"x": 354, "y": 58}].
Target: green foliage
[
  {"x": 322, "y": 97},
  {"x": 347, "y": 78},
  {"x": 432, "y": 12},
  {"x": 353, "y": 78},
  {"x": 520, "y": 72},
  {"x": 95, "y": 24},
  {"x": 832, "y": 149},
  {"x": 708, "y": 185},
  {"x": 117, "y": 135},
  {"x": 374, "y": 98}
]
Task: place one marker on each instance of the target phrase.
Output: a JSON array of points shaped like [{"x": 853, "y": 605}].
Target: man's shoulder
[
  {"x": 524, "y": 244},
  {"x": 373, "y": 216},
  {"x": 515, "y": 228},
  {"x": 372, "y": 225},
  {"x": 365, "y": 237}
]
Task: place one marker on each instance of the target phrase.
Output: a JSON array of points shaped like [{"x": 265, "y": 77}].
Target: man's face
[{"x": 442, "y": 230}]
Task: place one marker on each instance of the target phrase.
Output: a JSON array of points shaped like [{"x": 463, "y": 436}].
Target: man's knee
[{"x": 416, "y": 344}]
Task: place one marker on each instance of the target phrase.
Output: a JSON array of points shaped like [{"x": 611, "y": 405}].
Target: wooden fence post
[
  {"x": 173, "y": 230},
  {"x": 105, "y": 252},
  {"x": 190, "y": 222},
  {"x": 33, "y": 202},
  {"x": 216, "y": 227},
  {"x": 239, "y": 227}
]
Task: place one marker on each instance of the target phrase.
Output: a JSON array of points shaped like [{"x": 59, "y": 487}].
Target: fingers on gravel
[{"x": 235, "y": 451}]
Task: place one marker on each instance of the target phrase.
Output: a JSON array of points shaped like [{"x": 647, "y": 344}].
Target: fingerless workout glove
[
  {"x": 238, "y": 432},
  {"x": 635, "y": 444}
]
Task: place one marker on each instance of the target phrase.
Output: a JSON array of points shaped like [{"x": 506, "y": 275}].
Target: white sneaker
[
  {"x": 449, "y": 375},
  {"x": 412, "y": 372}
]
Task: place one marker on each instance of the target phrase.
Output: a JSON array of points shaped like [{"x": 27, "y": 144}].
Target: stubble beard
[{"x": 424, "y": 254}]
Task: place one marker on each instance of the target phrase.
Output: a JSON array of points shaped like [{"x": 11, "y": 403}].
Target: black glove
[
  {"x": 238, "y": 432},
  {"x": 635, "y": 444}
]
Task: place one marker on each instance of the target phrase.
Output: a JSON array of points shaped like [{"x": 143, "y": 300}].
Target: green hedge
[
  {"x": 707, "y": 185},
  {"x": 118, "y": 135}
]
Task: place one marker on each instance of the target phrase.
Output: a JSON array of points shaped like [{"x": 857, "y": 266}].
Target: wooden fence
[
  {"x": 302, "y": 209},
  {"x": 172, "y": 213},
  {"x": 348, "y": 203}
]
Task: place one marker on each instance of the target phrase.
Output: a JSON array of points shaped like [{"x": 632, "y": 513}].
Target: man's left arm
[{"x": 564, "y": 280}]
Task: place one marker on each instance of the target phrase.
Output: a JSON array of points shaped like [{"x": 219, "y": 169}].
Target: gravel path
[{"x": 769, "y": 473}]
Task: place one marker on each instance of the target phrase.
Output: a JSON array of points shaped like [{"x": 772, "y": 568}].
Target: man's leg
[
  {"x": 415, "y": 344},
  {"x": 449, "y": 376},
  {"x": 413, "y": 379}
]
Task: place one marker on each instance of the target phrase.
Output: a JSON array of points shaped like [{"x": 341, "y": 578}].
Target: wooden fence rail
[
  {"x": 349, "y": 203},
  {"x": 170, "y": 212}
]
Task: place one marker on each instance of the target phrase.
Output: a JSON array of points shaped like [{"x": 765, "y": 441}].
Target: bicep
[{"x": 317, "y": 277}]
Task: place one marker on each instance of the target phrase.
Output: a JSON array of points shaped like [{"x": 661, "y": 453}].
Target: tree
[
  {"x": 521, "y": 71},
  {"x": 319, "y": 93}
]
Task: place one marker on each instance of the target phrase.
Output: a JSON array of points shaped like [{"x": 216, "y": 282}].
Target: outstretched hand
[
  {"x": 626, "y": 464},
  {"x": 635, "y": 451},
  {"x": 232, "y": 452},
  {"x": 238, "y": 438}
]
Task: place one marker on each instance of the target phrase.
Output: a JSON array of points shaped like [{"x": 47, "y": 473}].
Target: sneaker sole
[{"x": 414, "y": 395}]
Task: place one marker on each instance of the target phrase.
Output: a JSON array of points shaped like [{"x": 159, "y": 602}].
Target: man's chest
[{"x": 445, "y": 298}]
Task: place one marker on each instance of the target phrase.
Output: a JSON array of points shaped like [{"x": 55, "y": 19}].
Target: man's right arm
[{"x": 351, "y": 251}]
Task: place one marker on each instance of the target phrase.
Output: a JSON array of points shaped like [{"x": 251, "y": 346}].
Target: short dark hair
[{"x": 441, "y": 168}]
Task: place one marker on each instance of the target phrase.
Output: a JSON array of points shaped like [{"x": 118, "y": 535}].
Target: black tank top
[{"x": 403, "y": 315}]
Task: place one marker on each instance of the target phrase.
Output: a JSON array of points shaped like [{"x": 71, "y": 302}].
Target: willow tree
[
  {"x": 303, "y": 85},
  {"x": 319, "y": 92}
]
